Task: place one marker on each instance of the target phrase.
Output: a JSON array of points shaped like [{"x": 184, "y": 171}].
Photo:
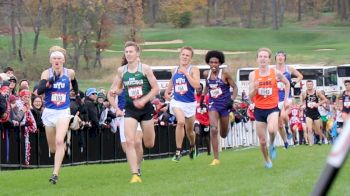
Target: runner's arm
[
  {"x": 169, "y": 87},
  {"x": 193, "y": 77},
  {"x": 253, "y": 86},
  {"x": 322, "y": 97},
  {"x": 232, "y": 84},
  {"x": 282, "y": 78},
  {"x": 152, "y": 81},
  {"x": 296, "y": 73}
]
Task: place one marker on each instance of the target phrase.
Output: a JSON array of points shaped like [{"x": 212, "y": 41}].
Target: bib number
[
  {"x": 311, "y": 104},
  {"x": 58, "y": 98},
  {"x": 135, "y": 92},
  {"x": 181, "y": 88},
  {"x": 347, "y": 104},
  {"x": 265, "y": 91},
  {"x": 216, "y": 92}
]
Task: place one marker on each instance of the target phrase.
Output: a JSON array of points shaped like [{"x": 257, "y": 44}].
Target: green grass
[{"x": 241, "y": 173}]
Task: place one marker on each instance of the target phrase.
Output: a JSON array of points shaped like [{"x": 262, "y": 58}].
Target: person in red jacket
[{"x": 201, "y": 124}]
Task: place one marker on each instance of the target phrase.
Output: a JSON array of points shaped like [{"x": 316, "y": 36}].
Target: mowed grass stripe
[{"x": 240, "y": 173}]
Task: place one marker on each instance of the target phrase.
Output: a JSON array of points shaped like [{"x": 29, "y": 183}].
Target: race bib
[
  {"x": 216, "y": 92},
  {"x": 347, "y": 104},
  {"x": 58, "y": 98},
  {"x": 280, "y": 85},
  {"x": 265, "y": 91},
  {"x": 311, "y": 104},
  {"x": 135, "y": 92},
  {"x": 181, "y": 88}
]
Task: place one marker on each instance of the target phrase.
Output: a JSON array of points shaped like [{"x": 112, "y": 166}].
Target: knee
[
  {"x": 138, "y": 144},
  {"x": 262, "y": 142},
  {"x": 181, "y": 122},
  {"x": 213, "y": 130},
  {"x": 59, "y": 143},
  {"x": 148, "y": 144},
  {"x": 223, "y": 133},
  {"x": 130, "y": 142}
]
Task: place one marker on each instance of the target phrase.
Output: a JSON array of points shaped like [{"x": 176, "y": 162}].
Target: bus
[
  {"x": 163, "y": 74},
  {"x": 343, "y": 72},
  {"x": 242, "y": 80},
  {"x": 331, "y": 80},
  {"x": 313, "y": 72}
]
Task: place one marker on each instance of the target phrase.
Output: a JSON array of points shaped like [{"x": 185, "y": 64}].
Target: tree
[
  {"x": 281, "y": 13},
  {"x": 12, "y": 9},
  {"x": 134, "y": 19},
  {"x": 178, "y": 11},
  {"x": 35, "y": 7},
  {"x": 264, "y": 12},
  {"x": 274, "y": 15}
]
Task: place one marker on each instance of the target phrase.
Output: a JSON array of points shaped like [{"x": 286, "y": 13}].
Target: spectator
[
  {"x": 13, "y": 85},
  {"x": 9, "y": 71},
  {"x": 90, "y": 105},
  {"x": 23, "y": 84},
  {"x": 37, "y": 111}
]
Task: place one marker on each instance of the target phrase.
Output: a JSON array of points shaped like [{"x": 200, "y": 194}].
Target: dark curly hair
[{"x": 217, "y": 54}]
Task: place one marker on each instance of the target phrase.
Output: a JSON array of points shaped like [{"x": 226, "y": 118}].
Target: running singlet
[
  {"x": 346, "y": 102},
  {"x": 311, "y": 101},
  {"x": 183, "y": 91},
  {"x": 281, "y": 86},
  {"x": 267, "y": 95},
  {"x": 136, "y": 84},
  {"x": 57, "y": 96},
  {"x": 219, "y": 92}
]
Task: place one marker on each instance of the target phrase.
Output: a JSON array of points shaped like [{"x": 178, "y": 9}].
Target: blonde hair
[
  {"x": 187, "y": 48},
  {"x": 59, "y": 49},
  {"x": 131, "y": 43},
  {"x": 264, "y": 49}
]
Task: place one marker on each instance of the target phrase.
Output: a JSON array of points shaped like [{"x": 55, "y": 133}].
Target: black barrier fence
[{"x": 87, "y": 147}]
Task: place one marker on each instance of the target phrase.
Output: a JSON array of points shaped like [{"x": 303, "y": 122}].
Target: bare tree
[
  {"x": 64, "y": 31},
  {"x": 281, "y": 13},
  {"x": 299, "y": 10},
  {"x": 13, "y": 27},
  {"x": 343, "y": 6},
  {"x": 37, "y": 27},
  {"x": 19, "y": 29},
  {"x": 264, "y": 11},
  {"x": 274, "y": 15},
  {"x": 250, "y": 13}
]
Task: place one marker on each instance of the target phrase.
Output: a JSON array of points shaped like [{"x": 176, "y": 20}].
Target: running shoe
[
  {"x": 272, "y": 152},
  {"x": 53, "y": 179},
  {"x": 176, "y": 158},
  {"x": 286, "y": 145},
  {"x": 193, "y": 152},
  {"x": 135, "y": 179},
  {"x": 215, "y": 162},
  {"x": 268, "y": 165}
]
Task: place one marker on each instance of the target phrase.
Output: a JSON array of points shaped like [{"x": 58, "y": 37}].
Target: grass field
[{"x": 241, "y": 173}]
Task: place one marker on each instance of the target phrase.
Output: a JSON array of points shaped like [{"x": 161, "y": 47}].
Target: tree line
[{"x": 86, "y": 26}]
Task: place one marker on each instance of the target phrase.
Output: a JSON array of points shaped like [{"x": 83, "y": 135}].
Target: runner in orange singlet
[{"x": 263, "y": 92}]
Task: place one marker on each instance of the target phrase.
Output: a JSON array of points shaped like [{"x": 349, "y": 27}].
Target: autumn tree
[{"x": 179, "y": 12}]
